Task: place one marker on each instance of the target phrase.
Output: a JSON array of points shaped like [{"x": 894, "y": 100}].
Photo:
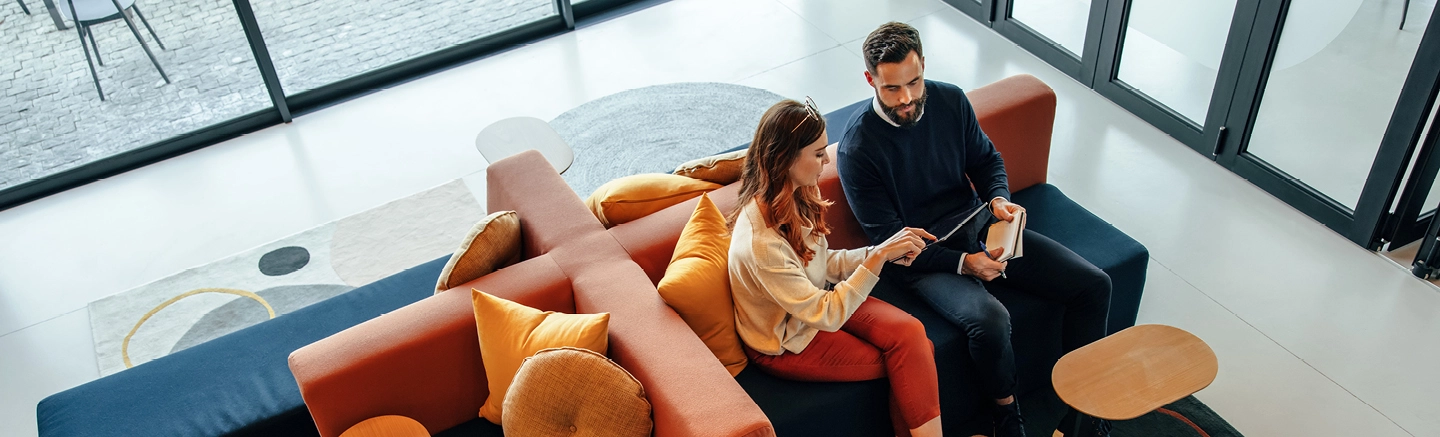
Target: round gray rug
[{"x": 654, "y": 129}]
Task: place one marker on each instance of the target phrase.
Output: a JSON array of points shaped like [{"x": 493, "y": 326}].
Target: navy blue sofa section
[
  {"x": 859, "y": 409},
  {"x": 239, "y": 384}
]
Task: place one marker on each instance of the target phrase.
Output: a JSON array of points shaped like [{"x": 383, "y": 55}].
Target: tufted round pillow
[{"x": 575, "y": 392}]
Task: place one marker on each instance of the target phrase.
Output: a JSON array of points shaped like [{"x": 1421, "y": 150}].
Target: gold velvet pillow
[
  {"x": 723, "y": 169},
  {"x": 510, "y": 332},
  {"x": 492, "y": 244},
  {"x": 697, "y": 284},
  {"x": 633, "y": 197},
  {"x": 564, "y": 392}
]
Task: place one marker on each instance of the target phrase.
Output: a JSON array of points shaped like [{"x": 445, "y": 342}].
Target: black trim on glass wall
[
  {"x": 1407, "y": 223},
  {"x": 1364, "y": 224},
  {"x": 1204, "y": 136},
  {"x": 1080, "y": 66},
  {"x": 388, "y": 76},
  {"x": 307, "y": 101},
  {"x": 136, "y": 158},
  {"x": 981, "y": 10},
  {"x": 262, "y": 58}
]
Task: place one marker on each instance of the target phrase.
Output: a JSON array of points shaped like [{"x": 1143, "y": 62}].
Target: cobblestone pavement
[{"x": 51, "y": 118}]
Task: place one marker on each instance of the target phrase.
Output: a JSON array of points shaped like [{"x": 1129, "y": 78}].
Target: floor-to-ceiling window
[
  {"x": 118, "y": 91},
  {"x": 1320, "y": 102}
]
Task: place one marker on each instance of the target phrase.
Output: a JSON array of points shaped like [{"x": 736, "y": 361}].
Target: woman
[{"x": 792, "y": 326}]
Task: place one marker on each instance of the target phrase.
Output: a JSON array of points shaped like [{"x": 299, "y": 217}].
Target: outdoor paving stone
[{"x": 51, "y": 117}]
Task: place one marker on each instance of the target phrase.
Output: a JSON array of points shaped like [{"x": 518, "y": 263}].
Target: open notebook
[{"x": 1009, "y": 236}]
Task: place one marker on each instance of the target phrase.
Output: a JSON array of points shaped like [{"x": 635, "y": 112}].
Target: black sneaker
[
  {"x": 1093, "y": 427},
  {"x": 1101, "y": 428},
  {"x": 1008, "y": 422}
]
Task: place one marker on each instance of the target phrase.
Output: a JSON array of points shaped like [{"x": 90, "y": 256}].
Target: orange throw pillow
[
  {"x": 511, "y": 332},
  {"x": 636, "y": 196},
  {"x": 697, "y": 284}
]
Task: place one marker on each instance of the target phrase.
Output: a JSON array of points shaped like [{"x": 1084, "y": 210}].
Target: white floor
[{"x": 1315, "y": 335}]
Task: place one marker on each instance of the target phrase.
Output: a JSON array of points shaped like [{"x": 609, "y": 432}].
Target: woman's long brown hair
[{"x": 785, "y": 130}]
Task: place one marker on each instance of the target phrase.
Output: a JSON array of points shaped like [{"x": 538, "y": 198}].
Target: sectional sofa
[{"x": 420, "y": 357}]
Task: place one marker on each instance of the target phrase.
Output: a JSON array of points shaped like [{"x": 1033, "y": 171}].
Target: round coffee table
[
  {"x": 511, "y": 136},
  {"x": 1133, "y": 372},
  {"x": 387, "y": 426}
]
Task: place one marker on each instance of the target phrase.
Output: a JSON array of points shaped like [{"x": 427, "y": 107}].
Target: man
[{"x": 917, "y": 157}]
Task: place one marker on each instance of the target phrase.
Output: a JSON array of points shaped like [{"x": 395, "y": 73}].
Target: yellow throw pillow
[
  {"x": 510, "y": 332},
  {"x": 697, "y": 284},
  {"x": 565, "y": 392},
  {"x": 492, "y": 244},
  {"x": 633, "y": 197},
  {"x": 723, "y": 169}
]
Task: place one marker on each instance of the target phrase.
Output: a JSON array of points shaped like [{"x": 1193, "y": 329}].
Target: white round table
[{"x": 511, "y": 136}]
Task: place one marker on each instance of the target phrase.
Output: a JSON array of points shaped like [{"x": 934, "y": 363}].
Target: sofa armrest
[
  {"x": 549, "y": 211},
  {"x": 690, "y": 392},
  {"x": 421, "y": 361},
  {"x": 1018, "y": 114}
]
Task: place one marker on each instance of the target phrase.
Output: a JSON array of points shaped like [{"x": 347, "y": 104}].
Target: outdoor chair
[{"x": 88, "y": 13}]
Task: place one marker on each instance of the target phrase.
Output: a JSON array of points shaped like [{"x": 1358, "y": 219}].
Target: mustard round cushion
[
  {"x": 387, "y": 426},
  {"x": 575, "y": 392}
]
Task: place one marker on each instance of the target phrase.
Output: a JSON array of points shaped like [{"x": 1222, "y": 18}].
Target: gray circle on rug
[
  {"x": 656, "y": 128},
  {"x": 284, "y": 261},
  {"x": 244, "y": 312}
]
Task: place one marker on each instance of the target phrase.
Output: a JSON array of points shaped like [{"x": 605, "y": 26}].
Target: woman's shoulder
[{"x": 755, "y": 244}]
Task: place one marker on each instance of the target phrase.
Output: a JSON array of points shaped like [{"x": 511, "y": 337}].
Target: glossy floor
[{"x": 1315, "y": 335}]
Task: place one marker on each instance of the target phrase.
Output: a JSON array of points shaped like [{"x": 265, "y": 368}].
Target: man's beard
[{"x": 906, "y": 121}]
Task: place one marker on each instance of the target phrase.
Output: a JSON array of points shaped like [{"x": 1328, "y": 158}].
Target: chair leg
[
  {"x": 136, "y": 8},
  {"x": 23, "y": 8},
  {"x": 80, "y": 31},
  {"x": 91, "y": 33},
  {"x": 136, "y": 32},
  {"x": 1404, "y": 12}
]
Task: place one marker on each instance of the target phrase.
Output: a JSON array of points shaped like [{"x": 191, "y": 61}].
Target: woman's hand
[{"x": 901, "y": 248}]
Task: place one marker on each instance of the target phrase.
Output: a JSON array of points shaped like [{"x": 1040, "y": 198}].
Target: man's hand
[
  {"x": 1003, "y": 209},
  {"x": 983, "y": 265}
]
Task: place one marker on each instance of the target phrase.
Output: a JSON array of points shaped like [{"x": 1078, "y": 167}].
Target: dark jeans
[{"x": 1047, "y": 270}]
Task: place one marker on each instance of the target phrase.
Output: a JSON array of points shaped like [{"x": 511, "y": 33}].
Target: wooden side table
[
  {"x": 387, "y": 426},
  {"x": 511, "y": 136},
  {"x": 1133, "y": 372}
]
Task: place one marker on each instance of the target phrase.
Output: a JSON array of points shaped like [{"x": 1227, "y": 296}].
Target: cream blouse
[{"x": 781, "y": 303}]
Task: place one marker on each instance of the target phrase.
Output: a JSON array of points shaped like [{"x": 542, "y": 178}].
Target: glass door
[
  {"x": 1174, "y": 63},
  {"x": 1333, "y": 98},
  {"x": 980, "y": 10},
  {"x": 1064, "y": 33}
]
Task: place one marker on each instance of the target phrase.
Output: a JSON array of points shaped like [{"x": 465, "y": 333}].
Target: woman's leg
[
  {"x": 909, "y": 361},
  {"x": 842, "y": 356}
]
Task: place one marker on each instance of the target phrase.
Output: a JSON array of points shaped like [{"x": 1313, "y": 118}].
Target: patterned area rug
[
  {"x": 215, "y": 299},
  {"x": 649, "y": 129}
]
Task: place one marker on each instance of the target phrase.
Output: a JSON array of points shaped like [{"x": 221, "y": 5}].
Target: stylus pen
[{"x": 986, "y": 250}]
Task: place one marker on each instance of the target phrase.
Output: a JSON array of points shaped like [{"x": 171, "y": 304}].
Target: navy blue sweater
[{"x": 915, "y": 176}]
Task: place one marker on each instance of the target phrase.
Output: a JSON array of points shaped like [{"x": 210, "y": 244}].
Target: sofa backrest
[
  {"x": 421, "y": 361},
  {"x": 1017, "y": 113}
]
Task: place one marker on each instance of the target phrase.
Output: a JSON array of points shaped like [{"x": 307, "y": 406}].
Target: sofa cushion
[
  {"x": 1124, "y": 259},
  {"x": 571, "y": 391},
  {"x": 238, "y": 384},
  {"x": 632, "y": 197},
  {"x": 697, "y": 285},
  {"x": 723, "y": 169},
  {"x": 492, "y": 244},
  {"x": 510, "y": 332},
  {"x": 798, "y": 408}
]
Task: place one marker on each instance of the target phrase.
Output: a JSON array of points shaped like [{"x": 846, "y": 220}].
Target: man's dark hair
[{"x": 892, "y": 42}]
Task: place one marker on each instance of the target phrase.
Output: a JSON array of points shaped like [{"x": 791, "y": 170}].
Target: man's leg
[
  {"x": 1053, "y": 272},
  {"x": 964, "y": 302}
]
